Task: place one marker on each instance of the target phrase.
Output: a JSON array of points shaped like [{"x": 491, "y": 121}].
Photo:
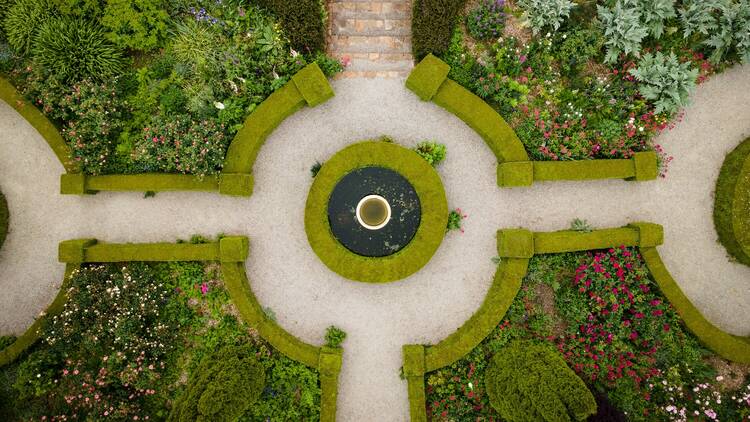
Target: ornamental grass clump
[
  {"x": 487, "y": 20},
  {"x": 23, "y": 20},
  {"x": 665, "y": 81},
  {"x": 530, "y": 382}
]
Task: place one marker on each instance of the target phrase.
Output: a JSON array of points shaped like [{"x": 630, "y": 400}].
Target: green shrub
[
  {"x": 732, "y": 203},
  {"x": 303, "y": 22},
  {"x": 222, "y": 387},
  {"x": 4, "y": 8},
  {"x": 455, "y": 220},
  {"x": 135, "y": 24},
  {"x": 75, "y": 49},
  {"x": 623, "y": 30},
  {"x": 665, "y": 81},
  {"x": 432, "y": 25},
  {"x": 4, "y": 215},
  {"x": 531, "y": 382},
  {"x": 334, "y": 336},
  {"x": 431, "y": 151},
  {"x": 487, "y": 20},
  {"x": 23, "y": 21},
  {"x": 731, "y": 32},
  {"x": 654, "y": 13},
  {"x": 545, "y": 14},
  {"x": 578, "y": 47}
]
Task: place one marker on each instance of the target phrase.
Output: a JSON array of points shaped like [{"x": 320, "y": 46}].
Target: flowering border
[
  {"x": 406, "y": 261},
  {"x": 231, "y": 252},
  {"x": 515, "y": 248},
  {"x": 429, "y": 80}
]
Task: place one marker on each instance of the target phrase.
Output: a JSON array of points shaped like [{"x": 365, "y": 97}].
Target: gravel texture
[{"x": 286, "y": 275}]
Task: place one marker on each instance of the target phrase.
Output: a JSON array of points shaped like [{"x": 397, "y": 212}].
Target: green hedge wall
[
  {"x": 408, "y": 260},
  {"x": 732, "y": 203},
  {"x": 515, "y": 248},
  {"x": 39, "y": 122},
  {"x": 303, "y": 21},
  {"x": 432, "y": 25},
  {"x": 4, "y": 218}
]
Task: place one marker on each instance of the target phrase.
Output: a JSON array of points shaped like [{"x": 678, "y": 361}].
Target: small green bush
[
  {"x": 74, "y": 49},
  {"x": 432, "y": 25},
  {"x": 135, "y": 24},
  {"x": 455, "y": 220},
  {"x": 222, "y": 388},
  {"x": 531, "y": 382},
  {"x": 334, "y": 336},
  {"x": 23, "y": 21},
  {"x": 665, "y": 81},
  {"x": 545, "y": 14},
  {"x": 431, "y": 151},
  {"x": 623, "y": 29},
  {"x": 3, "y": 221},
  {"x": 654, "y": 13},
  {"x": 303, "y": 22}
]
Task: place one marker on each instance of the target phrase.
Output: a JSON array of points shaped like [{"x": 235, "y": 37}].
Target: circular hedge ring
[
  {"x": 732, "y": 203},
  {"x": 409, "y": 259},
  {"x": 4, "y": 214}
]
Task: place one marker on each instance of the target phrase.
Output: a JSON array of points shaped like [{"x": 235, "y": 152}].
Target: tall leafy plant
[
  {"x": 623, "y": 29},
  {"x": 665, "y": 81},
  {"x": 545, "y": 14},
  {"x": 654, "y": 13}
]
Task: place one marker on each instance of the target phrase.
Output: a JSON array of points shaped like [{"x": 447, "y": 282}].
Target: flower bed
[
  {"x": 589, "y": 79},
  {"x": 129, "y": 341},
  {"x": 607, "y": 318},
  {"x": 153, "y": 86}
]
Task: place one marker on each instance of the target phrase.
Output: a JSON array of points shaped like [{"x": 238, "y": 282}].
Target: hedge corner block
[
  {"x": 427, "y": 76},
  {"x": 515, "y": 243},
  {"x": 515, "y": 174},
  {"x": 650, "y": 235},
  {"x": 74, "y": 251},
  {"x": 236, "y": 184},
  {"x": 73, "y": 184},
  {"x": 646, "y": 166},
  {"x": 414, "y": 365},
  {"x": 330, "y": 360},
  {"x": 233, "y": 249},
  {"x": 313, "y": 85}
]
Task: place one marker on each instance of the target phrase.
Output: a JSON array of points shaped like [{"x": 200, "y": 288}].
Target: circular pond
[{"x": 374, "y": 211}]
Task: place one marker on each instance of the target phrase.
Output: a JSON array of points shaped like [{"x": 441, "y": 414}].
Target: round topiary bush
[
  {"x": 4, "y": 215},
  {"x": 223, "y": 386},
  {"x": 530, "y": 382},
  {"x": 732, "y": 203},
  {"x": 410, "y": 255}
]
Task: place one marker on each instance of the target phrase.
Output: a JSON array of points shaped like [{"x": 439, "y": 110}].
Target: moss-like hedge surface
[
  {"x": 4, "y": 215},
  {"x": 408, "y": 260},
  {"x": 732, "y": 203}
]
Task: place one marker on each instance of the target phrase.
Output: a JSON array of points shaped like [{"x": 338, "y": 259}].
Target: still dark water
[{"x": 406, "y": 211}]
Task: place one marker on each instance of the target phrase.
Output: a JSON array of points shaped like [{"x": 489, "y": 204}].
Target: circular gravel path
[{"x": 287, "y": 276}]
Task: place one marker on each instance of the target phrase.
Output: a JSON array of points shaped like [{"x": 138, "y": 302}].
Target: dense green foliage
[
  {"x": 487, "y": 20},
  {"x": 136, "y": 24},
  {"x": 530, "y": 382},
  {"x": 23, "y": 20},
  {"x": 74, "y": 49},
  {"x": 732, "y": 203},
  {"x": 4, "y": 218},
  {"x": 665, "y": 81},
  {"x": 129, "y": 332},
  {"x": 432, "y": 25},
  {"x": 302, "y": 20},
  {"x": 545, "y": 14},
  {"x": 223, "y": 386}
]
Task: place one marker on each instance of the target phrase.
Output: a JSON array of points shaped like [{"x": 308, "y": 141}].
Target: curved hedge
[
  {"x": 515, "y": 248},
  {"x": 231, "y": 252},
  {"x": 39, "y": 122},
  {"x": 408, "y": 260},
  {"x": 429, "y": 80},
  {"x": 4, "y": 218},
  {"x": 732, "y": 203}
]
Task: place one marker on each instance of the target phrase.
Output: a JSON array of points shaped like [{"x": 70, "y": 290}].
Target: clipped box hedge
[
  {"x": 732, "y": 203},
  {"x": 4, "y": 219}
]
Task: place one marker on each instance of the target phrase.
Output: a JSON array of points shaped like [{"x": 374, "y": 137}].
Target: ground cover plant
[
  {"x": 606, "y": 319},
  {"x": 150, "y": 85},
  {"x": 590, "y": 79},
  {"x": 162, "y": 341}
]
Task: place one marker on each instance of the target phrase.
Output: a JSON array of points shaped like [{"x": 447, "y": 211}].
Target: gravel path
[{"x": 306, "y": 297}]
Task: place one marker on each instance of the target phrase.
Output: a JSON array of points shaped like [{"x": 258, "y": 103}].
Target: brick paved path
[{"x": 373, "y": 36}]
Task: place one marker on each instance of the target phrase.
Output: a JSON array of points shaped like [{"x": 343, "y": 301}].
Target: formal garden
[{"x": 150, "y": 103}]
